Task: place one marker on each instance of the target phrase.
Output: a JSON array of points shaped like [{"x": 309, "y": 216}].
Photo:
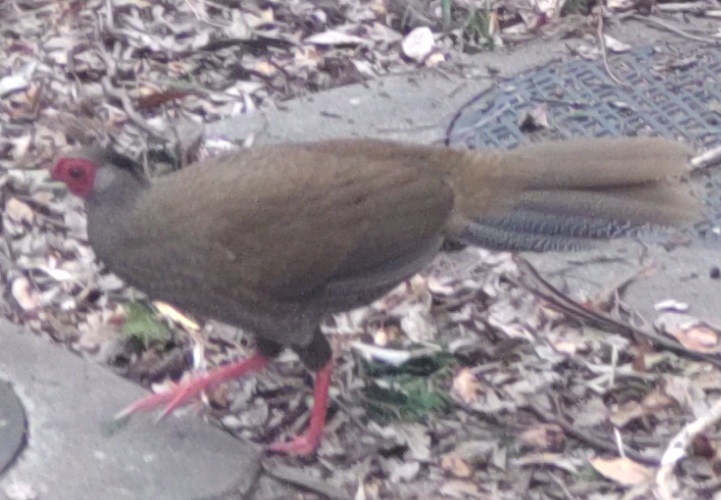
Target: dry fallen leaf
[
  {"x": 434, "y": 59},
  {"x": 265, "y": 68},
  {"x": 176, "y": 316},
  {"x": 653, "y": 402},
  {"x": 535, "y": 119},
  {"x": 620, "y": 5},
  {"x": 19, "y": 211},
  {"x": 386, "y": 335},
  {"x": 333, "y": 37},
  {"x": 657, "y": 400},
  {"x": 140, "y": 4},
  {"x": 625, "y": 413},
  {"x": 699, "y": 338},
  {"x": 13, "y": 83},
  {"x": 24, "y": 294},
  {"x": 568, "y": 341},
  {"x": 455, "y": 465},
  {"x": 460, "y": 489},
  {"x": 614, "y": 45},
  {"x": 622, "y": 470},
  {"x": 708, "y": 381},
  {"x": 402, "y": 470},
  {"x": 418, "y": 439},
  {"x": 556, "y": 460},
  {"x": 418, "y": 325},
  {"x": 466, "y": 386},
  {"x": 544, "y": 437},
  {"x": 692, "y": 333}
]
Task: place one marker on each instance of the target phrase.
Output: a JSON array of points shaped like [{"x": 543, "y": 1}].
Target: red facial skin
[{"x": 77, "y": 173}]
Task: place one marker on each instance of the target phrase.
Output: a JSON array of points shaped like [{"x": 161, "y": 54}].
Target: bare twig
[
  {"x": 561, "y": 485},
  {"x": 658, "y": 23},
  {"x": 666, "y": 482},
  {"x": 588, "y": 437},
  {"x": 532, "y": 281},
  {"x": 297, "y": 477},
  {"x": 707, "y": 159},
  {"x": 604, "y": 50},
  {"x": 133, "y": 115},
  {"x": 695, "y": 7}
]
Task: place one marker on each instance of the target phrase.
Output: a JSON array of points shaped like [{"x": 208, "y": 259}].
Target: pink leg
[
  {"x": 309, "y": 442},
  {"x": 186, "y": 390}
]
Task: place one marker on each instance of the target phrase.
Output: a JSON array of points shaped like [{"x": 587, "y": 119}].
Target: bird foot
[
  {"x": 301, "y": 446},
  {"x": 170, "y": 399},
  {"x": 183, "y": 391},
  {"x": 308, "y": 443}
]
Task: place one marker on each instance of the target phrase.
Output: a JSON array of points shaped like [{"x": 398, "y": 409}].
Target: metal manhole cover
[
  {"x": 671, "y": 92},
  {"x": 12, "y": 426}
]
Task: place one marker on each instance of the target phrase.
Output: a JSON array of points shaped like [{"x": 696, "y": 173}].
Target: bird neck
[{"x": 116, "y": 187}]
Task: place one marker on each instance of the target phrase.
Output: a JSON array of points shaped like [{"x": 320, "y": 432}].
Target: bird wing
[{"x": 285, "y": 222}]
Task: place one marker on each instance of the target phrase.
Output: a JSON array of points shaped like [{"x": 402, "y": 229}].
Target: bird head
[
  {"x": 77, "y": 172},
  {"x": 93, "y": 170}
]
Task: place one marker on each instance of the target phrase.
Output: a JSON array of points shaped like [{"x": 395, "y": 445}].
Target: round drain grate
[
  {"x": 12, "y": 426},
  {"x": 673, "y": 92}
]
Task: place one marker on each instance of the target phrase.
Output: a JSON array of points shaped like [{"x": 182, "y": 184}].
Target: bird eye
[{"x": 76, "y": 172}]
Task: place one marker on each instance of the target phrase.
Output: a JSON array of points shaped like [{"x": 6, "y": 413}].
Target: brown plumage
[{"x": 274, "y": 238}]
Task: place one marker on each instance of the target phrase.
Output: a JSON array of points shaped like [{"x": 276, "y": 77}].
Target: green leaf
[
  {"x": 143, "y": 325},
  {"x": 408, "y": 398}
]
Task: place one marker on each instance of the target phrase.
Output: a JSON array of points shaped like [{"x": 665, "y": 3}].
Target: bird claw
[
  {"x": 308, "y": 443},
  {"x": 170, "y": 399},
  {"x": 299, "y": 446}
]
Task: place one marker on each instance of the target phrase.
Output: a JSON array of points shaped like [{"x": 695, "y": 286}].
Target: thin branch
[
  {"x": 533, "y": 282},
  {"x": 673, "y": 29},
  {"x": 666, "y": 482},
  {"x": 604, "y": 49},
  {"x": 589, "y": 438},
  {"x": 297, "y": 477}
]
